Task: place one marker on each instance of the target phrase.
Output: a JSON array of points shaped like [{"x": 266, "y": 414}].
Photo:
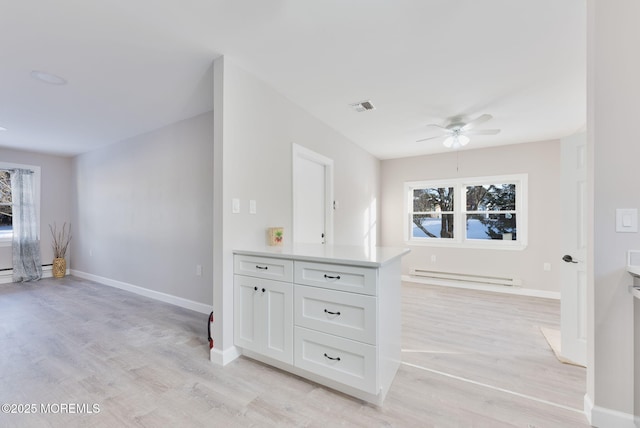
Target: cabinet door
[
  {"x": 277, "y": 301},
  {"x": 263, "y": 317},
  {"x": 246, "y": 312}
]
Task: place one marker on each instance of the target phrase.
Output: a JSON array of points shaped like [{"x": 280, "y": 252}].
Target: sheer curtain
[{"x": 26, "y": 242}]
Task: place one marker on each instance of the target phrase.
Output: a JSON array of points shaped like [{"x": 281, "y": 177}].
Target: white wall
[
  {"x": 55, "y": 198},
  {"x": 143, "y": 211},
  {"x": 613, "y": 94},
  {"x": 541, "y": 161},
  {"x": 255, "y": 128}
]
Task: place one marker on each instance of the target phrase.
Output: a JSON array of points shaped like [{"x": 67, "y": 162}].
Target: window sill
[{"x": 495, "y": 245}]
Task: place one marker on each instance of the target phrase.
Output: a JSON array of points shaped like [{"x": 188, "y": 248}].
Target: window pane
[
  {"x": 492, "y": 226},
  {"x": 491, "y": 197},
  {"x": 5, "y": 207},
  {"x": 5, "y": 220},
  {"x": 432, "y": 226},
  {"x": 5, "y": 187},
  {"x": 433, "y": 199}
]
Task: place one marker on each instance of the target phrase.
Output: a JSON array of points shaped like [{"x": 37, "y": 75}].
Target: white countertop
[
  {"x": 636, "y": 293},
  {"x": 339, "y": 254}
]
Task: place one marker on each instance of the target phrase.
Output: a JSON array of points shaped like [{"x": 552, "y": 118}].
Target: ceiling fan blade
[
  {"x": 430, "y": 138},
  {"x": 438, "y": 126},
  {"x": 477, "y": 121},
  {"x": 482, "y": 132}
]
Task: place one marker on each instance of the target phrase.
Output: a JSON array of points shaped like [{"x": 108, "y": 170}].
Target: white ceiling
[{"x": 134, "y": 66}]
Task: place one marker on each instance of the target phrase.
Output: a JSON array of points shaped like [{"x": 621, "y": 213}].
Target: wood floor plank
[{"x": 470, "y": 359}]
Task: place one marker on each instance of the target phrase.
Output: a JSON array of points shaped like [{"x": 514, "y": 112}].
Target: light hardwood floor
[{"x": 470, "y": 359}]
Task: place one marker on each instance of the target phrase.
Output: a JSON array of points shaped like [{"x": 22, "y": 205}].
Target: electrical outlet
[
  {"x": 433, "y": 258},
  {"x": 546, "y": 266},
  {"x": 198, "y": 270}
]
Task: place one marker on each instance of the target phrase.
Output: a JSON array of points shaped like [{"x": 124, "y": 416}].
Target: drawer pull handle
[
  {"x": 331, "y": 313},
  {"x": 262, "y": 267},
  {"x": 332, "y": 358},
  {"x": 331, "y": 277}
]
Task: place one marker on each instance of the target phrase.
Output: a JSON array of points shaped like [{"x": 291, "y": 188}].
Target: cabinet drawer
[
  {"x": 342, "y": 360},
  {"x": 349, "y": 315},
  {"x": 337, "y": 277},
  {"x": 263, "y": 267}
]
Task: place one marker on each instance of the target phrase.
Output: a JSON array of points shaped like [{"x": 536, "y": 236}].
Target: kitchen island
[{"x": 328, "y": 313}]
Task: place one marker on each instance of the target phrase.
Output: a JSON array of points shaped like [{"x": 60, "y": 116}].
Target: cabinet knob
[
  {"x": 263, "y": 290},
  {"x": 255, "y": 288}
]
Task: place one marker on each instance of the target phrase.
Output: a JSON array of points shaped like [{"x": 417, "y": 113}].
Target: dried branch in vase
[{"x": 61, "y": 240}]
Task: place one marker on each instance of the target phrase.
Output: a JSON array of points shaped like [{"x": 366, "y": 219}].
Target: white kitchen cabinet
[
  {"x": 263, "y": 316},
  {"x": 333, "y": 357},
  {"x": 333, "y": 316},
  {"x": 349, "y": 315}
]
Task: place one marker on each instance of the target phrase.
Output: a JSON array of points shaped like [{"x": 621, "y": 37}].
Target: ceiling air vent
[{"x": 362, "y": 106}]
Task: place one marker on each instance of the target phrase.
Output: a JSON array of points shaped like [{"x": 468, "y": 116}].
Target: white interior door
[
  {"x": 312, "y": 197},
  {"x": 574, "y": 267}
]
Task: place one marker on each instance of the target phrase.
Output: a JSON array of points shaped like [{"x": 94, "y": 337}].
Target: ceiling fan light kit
[{"x": 456, "y": 141}]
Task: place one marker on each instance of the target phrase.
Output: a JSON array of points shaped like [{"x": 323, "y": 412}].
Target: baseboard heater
[
  {"x": 466, "y": 277},
  {"x": 6, "y": 274}
]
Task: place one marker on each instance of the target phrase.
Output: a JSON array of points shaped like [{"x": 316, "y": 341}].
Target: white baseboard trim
[
  {"x": 224, "y": 357},
  {"x": 157, "y": 295},
  {"x": 484, "y": 287},
  {"x": 602, "y": 417}
]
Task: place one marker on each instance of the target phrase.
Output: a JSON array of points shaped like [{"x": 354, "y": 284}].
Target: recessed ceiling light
[
  {"x": 49, "y": 78},
  {"x": 2, "y": 129}
]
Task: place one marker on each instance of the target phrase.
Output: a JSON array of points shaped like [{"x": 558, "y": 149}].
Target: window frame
[
  {"x": 5, "y": 241},
  {"x": 460, "y": 212}
]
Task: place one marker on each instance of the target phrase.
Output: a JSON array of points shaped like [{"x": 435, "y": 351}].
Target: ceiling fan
[{"x": 457, "y": 131}]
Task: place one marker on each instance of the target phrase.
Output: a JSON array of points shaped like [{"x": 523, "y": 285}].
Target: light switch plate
[
  {"x": 235, "y": 205},
  {"x": 252, "y": 206},
  {"x": 626, "y": 220}
]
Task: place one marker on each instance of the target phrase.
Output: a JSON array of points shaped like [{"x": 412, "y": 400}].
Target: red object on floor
[{"x": 209, "y": 330}]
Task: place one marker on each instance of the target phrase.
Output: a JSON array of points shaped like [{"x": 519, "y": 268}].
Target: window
[
  {"x": 471, "y": 212},
  {"x": 6, "y": 206}
]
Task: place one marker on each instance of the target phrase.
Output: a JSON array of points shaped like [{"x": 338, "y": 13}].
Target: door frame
[{"x": 299, "y": 152}]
